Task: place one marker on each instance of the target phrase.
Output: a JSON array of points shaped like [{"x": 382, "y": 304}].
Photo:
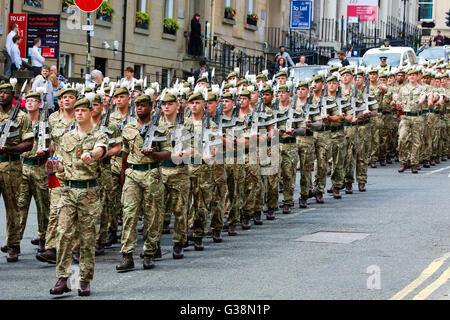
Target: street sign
[
  {"x": 21, "y": 20},
  {"x": 87, "y": 27},
  {"x": 47, "y": 28},
  {"x": 366, "y": 10},
  {"x": 301, "y": 15},
  {"x": 88, "y": 5}
]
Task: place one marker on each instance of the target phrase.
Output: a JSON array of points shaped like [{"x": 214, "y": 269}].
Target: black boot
[{"x": 127, "y": 263}]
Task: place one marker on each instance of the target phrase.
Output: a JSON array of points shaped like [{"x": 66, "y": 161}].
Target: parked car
[
  {"x": 306, "y": 73},
  {"x": 434, "y": 53},
  {"x": 395, "y": 56},
  {"x": 354, "y": 61}
]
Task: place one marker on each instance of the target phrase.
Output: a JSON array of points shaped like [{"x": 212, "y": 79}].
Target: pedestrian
[
  {"x": 37, "y": 59},
  {"x": 343, "y": 58},
  {"x": 349, "y": 52},
  {"x": 16, "y": 60},
  {"x": 386, "y": 44},
  {"x": 129, "y": 76},
  {"x": 55, "y": 86},
  {"x": 42, "y": 80},
  {"x": 280, "y": 63},
  {"x": 200, "y": 71},
  {"x": 383, "y": 66},
  {"x": 8, "y": 46},
  {"x": 195, "y": 40},
  {"x": 439, "y": 39},
  {"x": 301, "y": 62},
  {"x": 285, "y": 55},
  {"x": 61, "y": 78},
  {"x": 96, "y": 77}
]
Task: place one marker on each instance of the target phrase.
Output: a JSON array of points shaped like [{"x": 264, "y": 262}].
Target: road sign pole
[{"x": 88, "y": 58}]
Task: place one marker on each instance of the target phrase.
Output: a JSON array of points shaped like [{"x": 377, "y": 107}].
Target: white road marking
[{"x": 436, "y": 171}]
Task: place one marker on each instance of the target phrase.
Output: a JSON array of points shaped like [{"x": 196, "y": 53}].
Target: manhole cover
[{"x": 333, "y": 237}]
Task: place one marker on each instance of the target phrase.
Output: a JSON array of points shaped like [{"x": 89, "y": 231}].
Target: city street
[{"x": 401, "y": 250}]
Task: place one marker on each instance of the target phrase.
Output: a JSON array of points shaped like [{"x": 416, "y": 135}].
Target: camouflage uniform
[
  {"x": 386, "y": 131},
  {"x": 322, "y": 145},
  {"x": 363, "y": 131},
  {"x": 34, "y": 184},
  {"x": 143, "y": 188},
  {"x": 430, "y": 128},
  {"x": 350, "y": 132},
  {"x": 376, "y": 123},
  {"x": 270, "y": 172},
  {"x": 79, "y": 207},
  {"x": 11, "y": 176}
]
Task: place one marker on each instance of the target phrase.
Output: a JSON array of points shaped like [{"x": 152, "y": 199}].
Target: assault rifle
[
  {"x": 149, "y": 130},
  {"x": 43, "y": 131}
]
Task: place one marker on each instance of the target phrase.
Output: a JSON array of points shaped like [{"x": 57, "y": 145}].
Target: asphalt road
[{"x": 403, "y": 256}]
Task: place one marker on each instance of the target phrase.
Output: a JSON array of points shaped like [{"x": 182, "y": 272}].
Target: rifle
[
  {"x": 43, "y": 132},
  {"x": 149, "y": 129},
  {"x": 5, "y": 128},
  {"x": 179, "y": 134},
  {"x": 105, "y": 118},
  {"x": 257, "y": 112}
]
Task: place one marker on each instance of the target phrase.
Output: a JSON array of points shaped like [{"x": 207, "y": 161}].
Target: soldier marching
[{"x": 122, "y": 151}]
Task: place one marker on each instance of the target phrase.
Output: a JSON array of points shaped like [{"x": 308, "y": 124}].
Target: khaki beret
[
  {"x": 243, "y": 81},
  {"x": 332, "y": 78},
  {"x": 232, "y": 75},
  {"x": 120, "y": 91},
  {"x": 228, "y": 86},
  {"x": 82, "y": 103},
  {"x": 317, "y": 78},
  {"x": 413, "y": 71},
  {"x": 334, "y": 69},
  {"x": 303, "y": 84},
  {"x": 69, "y": 91},
  {"x": 267, "y": 89},
  {"x": 35, "y": 95},
  {"x": 227, "y": 95},
  {"x": 196, "y": 96},
  {"x": 345, "y": 70},
  {"x": 246, "y": 93},
  {"x": 202, "y": 79},
  {"x": 212, "y": 97},
  {"x": 281, "y": 74},
  {"x": 283, "y": 88},
  {"x": 261, "y": 76},
  {"x": 143, "y": 98},
  {"x": 169, "y": 98}
]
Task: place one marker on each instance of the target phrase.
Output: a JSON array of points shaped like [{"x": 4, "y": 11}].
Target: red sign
[
  {"x": 21, "y": 20},
  {"x": 366, "y": 10},
  {"x": 88, "y": 5}
]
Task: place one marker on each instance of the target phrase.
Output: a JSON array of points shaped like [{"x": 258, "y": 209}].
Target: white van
[{"x": 395, "y": 56}]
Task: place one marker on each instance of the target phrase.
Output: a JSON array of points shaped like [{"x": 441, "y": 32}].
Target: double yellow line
[{"x": 427, "y": 273}]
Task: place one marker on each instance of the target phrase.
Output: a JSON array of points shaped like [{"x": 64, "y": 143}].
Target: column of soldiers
[{"x": 117, "y": 153}]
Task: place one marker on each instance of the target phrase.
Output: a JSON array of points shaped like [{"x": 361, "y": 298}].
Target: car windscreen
[
  {"x": 373, "y": 60},
  {"x": 432, "y": 53},
  {"x": 335, "y": 62},
  {"x": 304, "y": 73}
]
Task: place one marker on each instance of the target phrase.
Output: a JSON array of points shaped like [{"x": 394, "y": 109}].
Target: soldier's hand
[
  {"x": 41, "y": 153},
  {"x": 290, "y": 132},
  {"x": 324, "y": 118},
  {"x": 86, "y": 157},
  {"x": 3, "y": 150},
  {"x": 147, "y": 151}
]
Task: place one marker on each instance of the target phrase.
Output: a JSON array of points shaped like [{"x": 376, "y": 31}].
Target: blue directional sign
[{"x": 301, "y": 14}]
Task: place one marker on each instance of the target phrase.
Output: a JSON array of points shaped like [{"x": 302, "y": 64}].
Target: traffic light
[{"x": 448, "y": 18}]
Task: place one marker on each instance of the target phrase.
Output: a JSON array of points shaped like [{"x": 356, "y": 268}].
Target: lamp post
[{"x": 404, "y": 22}]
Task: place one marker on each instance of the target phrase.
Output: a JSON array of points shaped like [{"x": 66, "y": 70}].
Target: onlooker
[
  {"x": 386, "y": 44},
  {"x": 439, "y": 39},
  {"x": 285, "y": 56},
  {"x": 16, "y": 60},
  {"x": 195, "y": 43},
  {"x": 199, "y": 72},
  {"x": 349, "y": 52},
  {"x": 129, "y": 72},
  {"x": 9, "y": 43},
  {"x": 97, "y": 77},
  {"x": 43, "y": 80},
  {"x": 302, "y": 62},
  {"x": 343, "y": 58},
  {"x": 279, "y": 64},
  {"x": 61, "y": 78},
  {"x": 37, "y": 60}
]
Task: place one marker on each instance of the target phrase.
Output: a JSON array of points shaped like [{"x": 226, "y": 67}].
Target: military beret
[
  {"x": 202, "y": 79},
  {"x": 373, "y": 70},
  {"x": 303, "y": 84},
  {"x": 281, "y": 74},
  {"x": 186, "y": 84},
  {"x": 232, "y": 75},
  {"x": 332, "y": 78},
  {"x": 87, "y": 90},
  {"x": 334, "y": 69},
  {"x": 427, "y": 74},
  {"x": 69, "y": 91},
  {"x": 283, "y": 88},
  {"x": 120, "y": 91},
  {"x": 383, "y": 75},
  {"x": 196, "y": 96},
  {"x": 317, "y": 78},
  {"x": 143, "y": 98},
  {"x": 246, "y": 93},
  {"x": 438, "y": 76},
  {"x": 412, "y": 71},
  {"x": 138, "y": 86},
  {"x": 227, "y": 95},
  {"x": 228, "y": 86},
  {"x": 261, "y": 76},
  {"x": 168, "y": 97},
  {"x": 243, "y": 81},
  {"x": 401, "y": 71},
  {"x": 97, "y": 99},
  {"x": 6, "y": 87},
  {"x": 107, "y": 89},
  {"x": 212, "y": 97},
  {"x": 445, "y": 75},
  {"x": 82, "y": 103},
  {"x": 345, "y": 70},
  {"x": 35, "y": 95},
  {"x": 58, "y": 93},
  {"x": 360, "y": 72},
  {"x": 267, "y": 89}
]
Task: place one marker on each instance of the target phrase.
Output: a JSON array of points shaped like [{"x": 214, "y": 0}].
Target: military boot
[
  {"x": 436, "y": 159},
  {"x": 4, "y": 248},
  {"x": 166, "y": 228},
  {"x": 198, "y": 244},
  {"x": 232, "y": 231},
  {"x": 257, "y": 218},
  {"x": 388, "y": 160},
  {"x": 60, "y": 287},
  {"x": 383, "y": 163},
  {"x": 48, "y": 256},
  {"x": 373, "y": 164},
  {"x": 414, "y": 169},
  {"x": 127, "y": 263},
  {"x": 303, "y": 202},
  {"x": 362, "y": 187},
  {"x": 76, "y": 258},
  {"x": 41, "y": 247},
  {"x": 35, "y": 241},
  {"x": 348, "y": 188},
  {"x": 270, "y": 214},
  {"x": 402, "y": 168},
  {"x": 319, "y": 197},
  {"x": 426, "y": 163},
  {"x": 444, "y": 158},
  {"x": 246, "y": 222},
  {"x": 99, "y": 249},
  {"x": 217, "y": 236},
  {"x": 158, "y": 253},
  {"x": 111, "y": 239},
  {"x": 286, "y": 209},
  {"x": 13, "y": 254},
  {"x": 85, "y": 289},
  {"x": 336, "y": 194},
  {"x": 432, "y": 162},
  {"x": 177, "y": 251},
  {"x": 148, "y": 262}
]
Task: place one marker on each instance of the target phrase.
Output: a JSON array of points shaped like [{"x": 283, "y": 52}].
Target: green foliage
[
  {"x": 171, "y": 24},
  {"x": 106, "y": 9},
  {"x": 142, "y": 17}
]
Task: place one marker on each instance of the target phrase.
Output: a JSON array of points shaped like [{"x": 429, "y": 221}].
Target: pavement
[{"x": 401, "y": 251}]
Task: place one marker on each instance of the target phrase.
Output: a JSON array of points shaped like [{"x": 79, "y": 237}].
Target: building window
[
  {"x": 65, "y": 64},
  {"x": 227, "y": 3},
  {"x": 142, "y": 17},
  {"x": 426, "y": 10},
  {"x": 33, "y": 3},
  {"x": 138, "y": 71},
  {"x": 249, "y": 6},
  {"x": 168, "y": 12}
]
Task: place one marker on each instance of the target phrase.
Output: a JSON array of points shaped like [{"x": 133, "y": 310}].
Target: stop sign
[{"x": 88, "y": 5}]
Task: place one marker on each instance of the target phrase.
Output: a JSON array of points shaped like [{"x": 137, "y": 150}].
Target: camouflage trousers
[
  {"x": 142, "y": 190},
  {"x": 260, "y": 194},
  {"x": 177, "y": 189},
  {"x": 34, "y": 184},
  {"x": 409, "y": 140},
  {"x": 271, "y": 185},
  {"x": 52, "y": 228},
  {"x": 250, "y": 185},
  {"x": 429, "y": 134},
  {"x": 289, "y": 160},
  {"x": 350, "y": 154},
  {"x": 393, "y": 144},
  {"x": 236, "y": 180},
  {"x": 338, "y": 153},
  {"x": 363, "y": 133},
  {"x": 10, "y": 179},
  {"x": 117, "y": 206},
  {"x": 219, "y": 196},
  {"x": 386, "y": 137},
  {"x": 376, "y": 124},
  {"x": 106, "y": 185},
  {"x": 443, "y": 141},
  {"x": 201, "y": 192},
  {"x": 322, "y": 146},
  {"x": 306, "y": 157},
  {"x": 78, "y": 209},
  {"x": 447, "y": 132}
]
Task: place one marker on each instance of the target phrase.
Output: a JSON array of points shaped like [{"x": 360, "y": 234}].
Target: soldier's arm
[
  {"x": 114, "y": 151},
  {"x": 317, "y": 125},
  {"x": 124, "y": 167},
  {"x": 25, "y": 146}
]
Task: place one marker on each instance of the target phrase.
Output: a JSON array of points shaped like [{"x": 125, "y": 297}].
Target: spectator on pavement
[
  {"x": 37, "y": 60},
  {"x": 199, "y": 72},
  {"x": 43, "y": 80},
  {"x": 349, "y": 52},
  {"x": 279, "y": 64},
  {"x": 16, "y": 60},
  {"x": 302, "y": 62},
  {"x": 97, "y": 77},
  {"x": 285, "y": 56},
  {"x": 129, "y": 76},
  {"x": 61, "y": 78},
  {"x": 343, "y": 58},
  {"x": 9, "y": 43},
  {"x": 195, "y": 42},
  {"x": 55, "y": 86},
  {"x": 439, "y": 40}
]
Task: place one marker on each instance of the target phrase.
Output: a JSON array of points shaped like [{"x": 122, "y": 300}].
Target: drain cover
[{"x": 333, "y": 237}]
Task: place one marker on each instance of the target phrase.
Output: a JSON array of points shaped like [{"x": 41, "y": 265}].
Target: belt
[
  {"x": 325, "y": 128},
  {"x": 170, "y": 164},
  {"x": 412, "y": 114},
  {"x": 9, "y": 158},
  {"x": 106, "y": 161},
  {"x": 119, "y": 155},
  {"x": 437, "y": 112},
  {"x": 193, "y": 161},
  {"x": 386, "y": 112},
  {"x": 338, "y": 128},
  {"x": 287, "y": 140},
  {"x": 349, "y": 124},
  {"x": 144, "y": 167},
  {"x": 363, "y": 123},
  {"x": 424, "y": 112},
  {"x": 82, "y": 184},
  {"x": 34, "y": 161}
]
